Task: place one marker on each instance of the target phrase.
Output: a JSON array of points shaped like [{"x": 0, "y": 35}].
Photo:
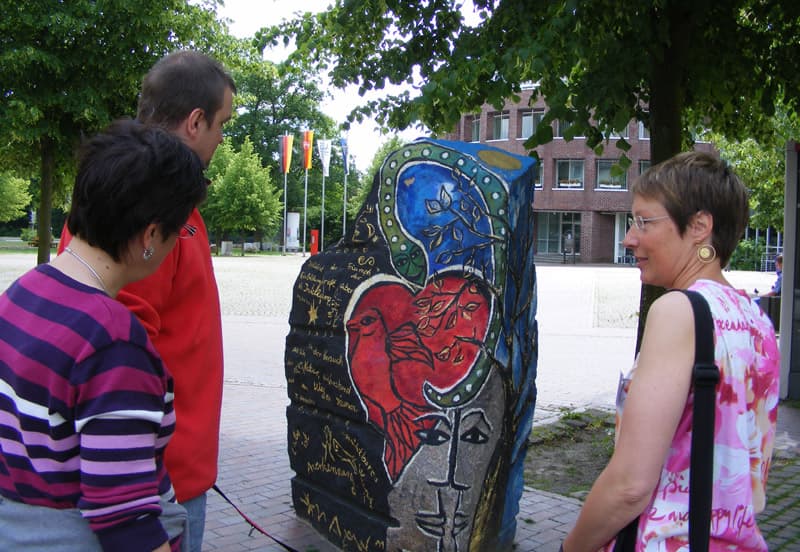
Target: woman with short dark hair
[{"x": 85, "y": 401}]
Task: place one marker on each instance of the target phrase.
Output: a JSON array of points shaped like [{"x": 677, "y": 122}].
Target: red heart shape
[{"x": 397, "y": 340}]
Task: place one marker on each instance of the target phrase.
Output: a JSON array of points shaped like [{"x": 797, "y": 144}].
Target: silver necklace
[{"x": 87, "y": 265}]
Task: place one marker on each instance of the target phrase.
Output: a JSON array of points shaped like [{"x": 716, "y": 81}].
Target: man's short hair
[{"x": 179, "y": 83}]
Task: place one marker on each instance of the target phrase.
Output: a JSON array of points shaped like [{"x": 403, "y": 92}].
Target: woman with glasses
[
  {"x": 85, "y": 401},
  {"x": 688, "y": 215}
]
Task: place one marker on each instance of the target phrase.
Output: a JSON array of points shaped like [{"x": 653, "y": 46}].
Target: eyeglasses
[
  {"x": 640, "y": 222},
  {"x": 188, "y": 231}
]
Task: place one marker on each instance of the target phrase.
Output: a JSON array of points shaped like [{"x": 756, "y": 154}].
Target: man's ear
[{"x": 191, "y": 125}]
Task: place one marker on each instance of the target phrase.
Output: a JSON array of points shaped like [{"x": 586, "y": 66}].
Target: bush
[
  {"x": 747, "y": 256},
  {"x": 29, "y": 235}
]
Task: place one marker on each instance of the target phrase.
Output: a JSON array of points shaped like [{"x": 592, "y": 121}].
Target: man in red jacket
[{"x": 191, "y": 95}]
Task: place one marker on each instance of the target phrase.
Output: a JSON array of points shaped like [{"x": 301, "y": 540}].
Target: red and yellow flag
[
  {"x": 285, "y": 149},
  {"x": 308, "y": 139}
]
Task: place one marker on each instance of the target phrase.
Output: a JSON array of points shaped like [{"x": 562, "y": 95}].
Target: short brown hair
[
  {"x": 696, "y": 181},
  {"x": 179, "y": 83}
]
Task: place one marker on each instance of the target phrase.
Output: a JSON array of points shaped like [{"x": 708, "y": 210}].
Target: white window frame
[
  {"x": 536, "y": 116},
  {"x": 559, "y": 129},
  {"x": 500, "y": 125},
  {"x": 644, "y": 132},
  {"x": 571, "y": 182},
  {"x": 617, "y": 135},
  {"x": 614, "y": 183},
  {"x": 538, "y": 179},
  {"x": 474, "y": 123}
]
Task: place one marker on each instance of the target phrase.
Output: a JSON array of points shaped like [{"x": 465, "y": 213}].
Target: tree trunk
[
  {"x": 666, "y": 117},
  {"x": 45, "y": 198}
]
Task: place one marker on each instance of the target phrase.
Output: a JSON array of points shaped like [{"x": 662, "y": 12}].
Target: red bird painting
[{"x": 398, "y": 341}]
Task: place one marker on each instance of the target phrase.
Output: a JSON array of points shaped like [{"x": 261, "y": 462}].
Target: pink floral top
[{"x": 746, "y": 353}]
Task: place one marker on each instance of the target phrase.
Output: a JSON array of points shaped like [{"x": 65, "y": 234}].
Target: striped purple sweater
[{"x": 85, "y": 409}]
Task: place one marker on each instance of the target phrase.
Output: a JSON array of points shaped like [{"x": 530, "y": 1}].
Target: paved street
[{"x": 587, "y": 317}]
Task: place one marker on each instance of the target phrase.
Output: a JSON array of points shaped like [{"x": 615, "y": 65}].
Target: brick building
[{"x": 577, "y": 201}]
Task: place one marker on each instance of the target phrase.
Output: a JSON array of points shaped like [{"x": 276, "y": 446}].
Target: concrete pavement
[{"x": 587, "y": 317}]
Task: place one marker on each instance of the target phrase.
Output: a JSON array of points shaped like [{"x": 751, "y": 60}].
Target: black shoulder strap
[
  {"x": 701, "y": 475},
  {"x": 706, "y": 376}
]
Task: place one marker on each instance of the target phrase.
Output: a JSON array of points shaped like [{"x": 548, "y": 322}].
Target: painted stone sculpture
[{"x": 411, "y": 358}]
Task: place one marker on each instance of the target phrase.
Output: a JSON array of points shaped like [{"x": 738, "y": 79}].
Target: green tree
[
  {"x": 14, "y": 197},
  {"x": 762, "y": 164},
  {"x": 672, "y": 64},
  {"x": 366, "y": 181},
  {"x": 241, "y": 198},
  {"x": 69, "y": 68},
  {"x": 676, "y": 65},
  {"x": 277, "y": 99}
]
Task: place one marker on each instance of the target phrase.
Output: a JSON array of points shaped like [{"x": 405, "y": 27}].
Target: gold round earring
[
  {"x": 148, "y": 253},
  {"x": 706, "y": 253}
]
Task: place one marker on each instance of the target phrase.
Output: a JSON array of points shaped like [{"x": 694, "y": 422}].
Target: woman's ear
[
  {"x": 148, "y": 236},
  {"x": 702, "y": 226}
]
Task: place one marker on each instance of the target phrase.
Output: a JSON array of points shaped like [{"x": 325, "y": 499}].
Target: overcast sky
[{"x": 247, "y": 16}]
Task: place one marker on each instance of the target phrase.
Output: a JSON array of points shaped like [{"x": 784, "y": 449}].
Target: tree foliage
[
  {"x": 276, "y": 99},
  {"x": 69, "y": 68},
  {"x": 762, "y": 165},
  {"x": 675, "y": 65},
  {"x": 242, "y": 198},
  {"x": 14, "y": 197},
  {"x": 672, "y": 64}
]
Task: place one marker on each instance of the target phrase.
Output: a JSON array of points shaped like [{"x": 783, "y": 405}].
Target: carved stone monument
[{"x": 411, "y": 358}]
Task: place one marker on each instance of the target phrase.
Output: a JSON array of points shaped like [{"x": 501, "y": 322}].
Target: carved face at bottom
[{"x": 436, "y": 498}]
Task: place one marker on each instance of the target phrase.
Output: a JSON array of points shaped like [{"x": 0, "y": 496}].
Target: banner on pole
[
  {"x": 324, "y": 150},
  {"x": 308, "y": 139},
  {"x": 343, "y": 144},
  {"x": 285, "y": 149}
]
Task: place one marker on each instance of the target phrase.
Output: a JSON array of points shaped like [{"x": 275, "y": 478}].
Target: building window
[
  {"x": 644, "y": 132},
  {"x": 500, "y": 126},
  {"x": 569, "y": 173},
  {"x": 529, "y": 121},
  {"x": 617, "y": 134},
  {"x": 473, "y": 128},
  {"x": 538, "y": 176},
  {"x": 562, "y": 127},
  {"x": 605, "y": 180},
  {"x": 644, "y": 164},
  {"x": 555, "y": 230}
]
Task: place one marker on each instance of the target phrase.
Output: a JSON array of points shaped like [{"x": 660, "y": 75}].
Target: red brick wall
[{"x": 597, "y": 206}]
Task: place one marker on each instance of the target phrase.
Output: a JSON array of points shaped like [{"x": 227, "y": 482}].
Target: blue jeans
[{"x": 196, "y": 508}]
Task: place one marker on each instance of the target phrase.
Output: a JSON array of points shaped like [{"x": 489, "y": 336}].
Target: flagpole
[
  {"x": 344, "y": 205},
  {"x": 324, "y": 148},
  {"x": 343, "y": 144},
  {"x": 305, "y": 210},
  {"x": 322, "y": 216},
  {"x": 284, "y": 213},
  {"x": 285, "y": 149}
]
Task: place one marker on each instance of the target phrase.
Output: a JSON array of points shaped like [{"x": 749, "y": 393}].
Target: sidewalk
[{"x": 596, "y": 305}]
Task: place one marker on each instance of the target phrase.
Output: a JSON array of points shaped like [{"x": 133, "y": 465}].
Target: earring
[
  {"x": 148, "y": 253},
  {"x": 706, "y": 253}
]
